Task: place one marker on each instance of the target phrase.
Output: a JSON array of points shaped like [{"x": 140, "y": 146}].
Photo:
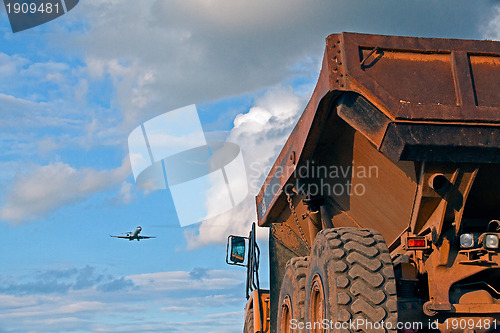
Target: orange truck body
[{"x": 401, "y": 135}]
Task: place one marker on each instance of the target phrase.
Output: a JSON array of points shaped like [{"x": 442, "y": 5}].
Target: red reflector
[{"x": 413, "y": 242}]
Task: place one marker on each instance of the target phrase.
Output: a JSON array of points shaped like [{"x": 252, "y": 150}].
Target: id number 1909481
[
  {"x": 32, "y": 7},
  {"x": 471, "y": 324}
]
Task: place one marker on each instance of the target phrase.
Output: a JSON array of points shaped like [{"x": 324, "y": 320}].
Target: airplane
[{"x": 134, "y": 235}]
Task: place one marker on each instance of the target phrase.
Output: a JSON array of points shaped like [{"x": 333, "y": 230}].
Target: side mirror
[{"x": 236, "y": 250}]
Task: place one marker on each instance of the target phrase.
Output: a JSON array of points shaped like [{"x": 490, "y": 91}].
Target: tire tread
[{"x": 365, "y": 282}]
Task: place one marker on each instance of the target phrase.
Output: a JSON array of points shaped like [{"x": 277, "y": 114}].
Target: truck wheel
[
  {"x": 350, "y": 284},
  {"x": 291, "y": 312},
  {"x": 248, "y": 328}
]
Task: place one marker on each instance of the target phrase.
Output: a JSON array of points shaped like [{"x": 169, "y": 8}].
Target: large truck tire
[
  {"x": 291, "y": 313},
  {"x": 351, "y": 285},
  {"x": 248, "y": 327}
]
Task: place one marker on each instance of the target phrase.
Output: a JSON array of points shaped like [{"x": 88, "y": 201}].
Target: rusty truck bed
[{"x": 426, "y": 99}]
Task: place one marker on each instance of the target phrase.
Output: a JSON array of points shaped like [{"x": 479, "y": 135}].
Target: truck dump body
[
  {"x": 434, "y": 99},
  {"x": 401, "y": 136}
]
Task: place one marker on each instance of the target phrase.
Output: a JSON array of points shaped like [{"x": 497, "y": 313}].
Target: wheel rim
[
  {"x": 286, "y": 316},
  {"x": 316, "y": 305}
]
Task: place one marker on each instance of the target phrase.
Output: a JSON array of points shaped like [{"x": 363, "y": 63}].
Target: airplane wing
[
  {"x": 126, "y": 237},
  {"x": 145, "y": 237}
]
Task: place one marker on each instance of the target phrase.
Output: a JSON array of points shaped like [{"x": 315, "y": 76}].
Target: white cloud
[
  {"x": 50, "y": 104},
  {"x": 492, "y": 30},
  {"x": 10, "y": 65},
  {"x": 62, "y": 307},
  {"x": 43, "y": 189},
  {"x": 125, "y": 192},
  {"x": 176, "y": 309},
  {"x": 261, "y": 133},
  {"x": 50, "y": 71},
  {"x": 10, "y": 301},
  {"x": 159, "y": 302},
  {"x": 168, "y": 281},
  {"x": 183, "y": 52},
  {"x": 15, "y": 107}
]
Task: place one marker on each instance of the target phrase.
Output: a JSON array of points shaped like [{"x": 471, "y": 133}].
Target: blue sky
[{"x": 73, "y": 89}]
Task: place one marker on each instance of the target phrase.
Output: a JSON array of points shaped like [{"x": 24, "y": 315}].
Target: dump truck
[{"x": 383, "y": 206}]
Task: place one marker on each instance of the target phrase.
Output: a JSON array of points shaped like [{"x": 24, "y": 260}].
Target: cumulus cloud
[
  {"x": 183, "y": 52},
  {"x": 492, "y": 29},
  {"x": 43, "y": 189},
  {"x": 261, "y": 133}
]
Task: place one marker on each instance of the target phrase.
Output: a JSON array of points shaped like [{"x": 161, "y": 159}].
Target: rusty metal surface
[
  {"x": 285, "y": 235},
  {"x": 420, "y": 78},
  {"x": 423, "y": 99},
  {"x": 443, "y": 213},
  {"x": 279, "y": 254},
  {"x": 441, "y": 278},
  {"x": 426, "y": 114}
]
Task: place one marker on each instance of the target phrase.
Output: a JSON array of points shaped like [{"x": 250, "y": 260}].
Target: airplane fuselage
[{"x": 135, "y": 234}]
